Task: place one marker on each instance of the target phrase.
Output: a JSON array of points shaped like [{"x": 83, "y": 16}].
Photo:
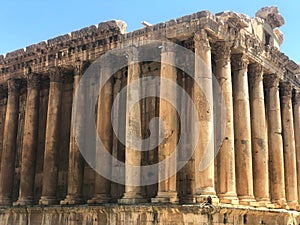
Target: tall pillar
[
  {"x": 167, "y": 187},
  {"x": 242, "y": 129},
  {"x": 276, "y": 167},
  {"x": 289, "y": 148},
  {"x": 30, "y": 139},
  {"x": 297, "y": 135},
  {"x": 9, "y": 142},
  {"x": 105, "y": 133},
  {"x": 133, "y": 157},
  {"x": 226, "y": 160},
  {"x": 50, "y": 170},
  {"x": 203, "y": 100},
  {"x": 76, "y": 162},
  {"x": 259, "y": 135}
]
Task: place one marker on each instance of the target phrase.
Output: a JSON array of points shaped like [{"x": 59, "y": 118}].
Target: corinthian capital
[
  {"x": 256, "y": 72},
  {"x": 296, "y": 99},
  {"x": 222, "y": 51},
  {"x": 13, "y": 85},
  {"x": 78, "y": 67},
  {"x": 33, "y": 80},
  {"x": 239, "y": 61},
  {"x": 58, "y": 74},
  {"x": 286, "y": 89},
  {"x": 201, "y": 40},
  {"x": 271, "y": 81}
]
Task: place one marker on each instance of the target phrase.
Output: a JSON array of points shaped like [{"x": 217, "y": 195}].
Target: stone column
[
  {"x": 50, "y": 170},
  {"x": 9, "y": 142},
  {"x": 105, "y": 133},
  {"x": 289, "y": 148},
  {"x": 226, "y": 160},
  {"x": 30, "y": 139},
  {"x": 297, "y": 135},
  {"x": 133, "y": 157},
  {"x": 203, "y": 100},
  {"x": 259, "y": 135},
  {"x": 76, "y": 162},
  {"x": 242, "y": 129},
  {"x": 167, "y": 187},
  {"x": 276, "y": 168}
]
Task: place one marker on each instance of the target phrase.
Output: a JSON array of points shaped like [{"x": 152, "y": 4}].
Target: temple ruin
[{"x": 254, "y": 178}]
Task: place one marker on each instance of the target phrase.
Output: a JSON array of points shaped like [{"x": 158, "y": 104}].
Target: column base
[
  {"x": 71, "y": 200},
  {"x": 99, "y": 199},
  {"x": 264, "y": 202},
  {"x": 132, "y": 198},
  {"x": 166, "y": 197},
  {"x": 248, "y": 201},
  {"x": 47, "y": 200},
  {"x": 280, "y": 204},
  {"x": 203, "y": 198},
  {"x": 188, "y": 199},
  {"x": 228, "y": 199},
  {"x": 5, "y": 201},
  {"x": 292, "y": 205},
  {"x": 23, "y": 202}
]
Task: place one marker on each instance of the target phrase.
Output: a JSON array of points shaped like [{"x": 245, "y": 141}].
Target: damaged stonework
[
  {"x": 271, "y": 15},
  {"x": 255, "y": 177},
  {"x": 145, "y": 215}
]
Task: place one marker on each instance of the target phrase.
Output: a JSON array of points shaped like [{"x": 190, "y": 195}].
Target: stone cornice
[{"x": 89, "y": 43}]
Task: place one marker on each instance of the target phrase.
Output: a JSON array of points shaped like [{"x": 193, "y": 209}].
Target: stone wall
[{"x": 146, "y": 215}]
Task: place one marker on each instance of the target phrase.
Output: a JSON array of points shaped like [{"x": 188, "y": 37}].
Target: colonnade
[{"x": 258, "y": 161}]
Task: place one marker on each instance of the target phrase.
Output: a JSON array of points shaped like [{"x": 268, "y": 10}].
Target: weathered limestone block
[
  {"x": 146, "y": 215},
  {"x": 271, "y": 15}
]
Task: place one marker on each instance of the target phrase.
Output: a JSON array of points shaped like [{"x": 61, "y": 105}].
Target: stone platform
[{"x": 146, "y": 215}]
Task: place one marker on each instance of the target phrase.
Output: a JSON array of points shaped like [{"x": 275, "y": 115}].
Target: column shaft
[
  {"x": 203, "y": 100},
  {"x": 297, "y": 135},
  {"x": 167, "y": 182},
  {"x": 242, "y": 129},
  {"x": 259, "y": 135},
  {"x": 276, "y": 167},
  {"x": 226, "y": 159},
  {"x": 76, "y": 162},
  {"x": 133, "y": 157},
  {"x": 30, "y": 141},
  {"x": 9, "y": 142},
  {"x": 104, "y": 131},
  {"x": 289, "y": 148},
  {"x": 50, "y": 170}
]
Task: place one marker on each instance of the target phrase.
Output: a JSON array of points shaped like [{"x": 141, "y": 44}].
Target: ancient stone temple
[{"x": 254, "y": 175}]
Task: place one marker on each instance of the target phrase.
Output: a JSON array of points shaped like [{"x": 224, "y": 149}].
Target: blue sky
[{"x": 25, "y": 22}]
